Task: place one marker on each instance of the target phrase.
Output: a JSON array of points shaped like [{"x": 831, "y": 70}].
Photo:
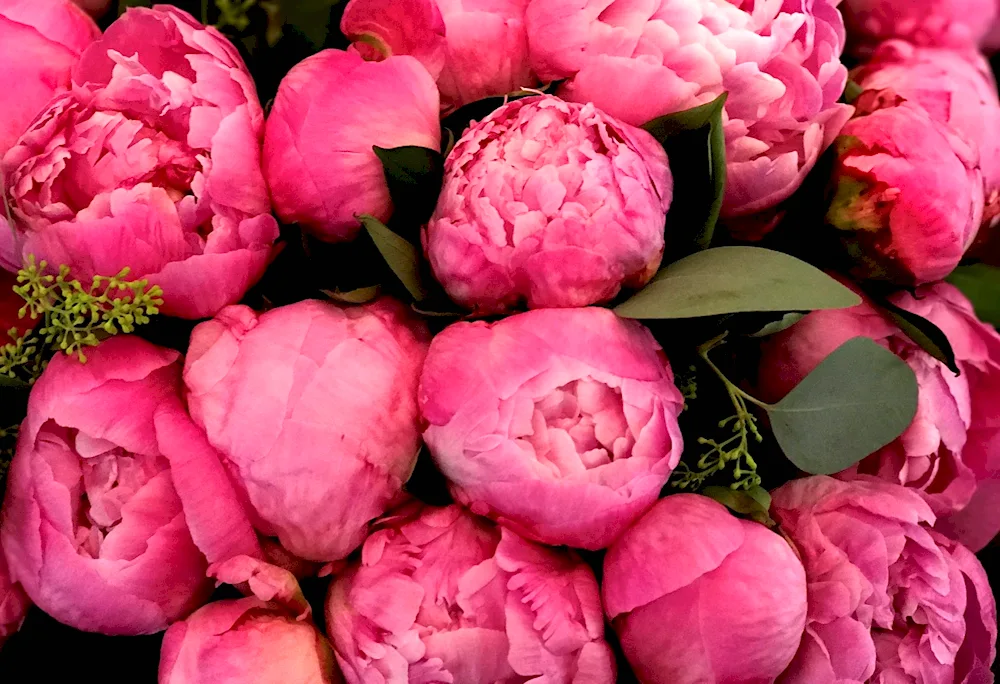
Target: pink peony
[
  {"x": 92, "y": 526},
  {"x": 699, "y": 596},
  {"x": 152, "y": 161},
  {"x": 549, "y": 203},
  {"x": 890, "y": 601},
  {"x": 14, "y": 603},
  {"x": 955, "y": 88},
  {"x": 40, "y": 41},
  {"x": 939, "y": 23},
  {"x": 908, "y": 192},
  {"x": 265, "y": 639},
  {"x": 313, "y": 408},
  {"x": 443, "y": 596},
  {"x": 331, "y": 109},
  {"x": 779, "y": 62},
  {"x": 474, "y": 48},
  {"x": 11, "y": 304},
  {"x": 952, "y": 443},
  {"x": 561, "y": 424}
]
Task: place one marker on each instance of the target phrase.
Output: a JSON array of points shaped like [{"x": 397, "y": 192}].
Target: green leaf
[
  {"x": 362, "y": 295},
  {"x": 14, "y": 383},
  {"x": 981, "y": 284},
  {"x": 930, "y": 337},
  {"x": 696, "y": 147},
  {"x": 783, "y": 323},
  {"x": 414, "y": 175},
  {"x": 859, "y": 399},
  {"x": 851, "y": 91},
  {"x": 401, "y": 256},
  {"x": 310, "y": 17},
  {"x": 727, "y": 280},
  {"x": 754, "y": 502}
]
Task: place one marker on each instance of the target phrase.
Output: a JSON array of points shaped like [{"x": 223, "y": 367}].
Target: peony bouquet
[{"x": 499, "y": 341}]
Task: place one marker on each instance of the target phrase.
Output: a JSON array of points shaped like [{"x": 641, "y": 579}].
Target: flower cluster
[{"x": 537, "y": 341}]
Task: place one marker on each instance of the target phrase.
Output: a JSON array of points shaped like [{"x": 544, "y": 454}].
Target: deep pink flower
[
  {"x": 561, "y": 424},
  {"x": 955, "y": 87},
  {"x": 951, "y": 24},
  {"x": 550, "y": 203},
  {"x": 40, "y": 41},
  {"x": 951, "y": 446},
  {"x": 92, "y": 526},
  {"x": 697, "y": 595},
  {"x": 263, "y": 638},
  {"x": 313, "y": 409},
  {"x": 443, "y": 596},
  {"x": 890, "y": 600},
  {"x": 473, "y": 48},
  {"x": 331, "y": 109},
  {"x": 779, "y": 61},
  {"x": 151, "y": 161},
  {"x": 907, "y": 192},
  {"x": 14, "y": 603}
]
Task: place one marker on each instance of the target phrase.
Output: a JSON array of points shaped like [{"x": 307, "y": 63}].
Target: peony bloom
[
  {"x": 443, "y": 596},
  {"x": 561, "y": 424},
  {"x": 550, "y": 203},
  {"x": 331, "y": 109},
  {"x": 939, "y": 23},
  {"x": 264, "y": 638},
  {"x": 955, "y": 88},
  {"x": 10, "y": 307},
  {"x": 697, "y": 595},
  {"x": 40, "y": 41},
  {"x": 473, "y": 48},
  {"x": 92, "y": 526},
  {"x": 14, "y": 603},
  {"x": 908, "y": 192},
  {"x": 889, "y": 599},
  {"x": 951, "y": 444},
  {"x": 313, "y": 408},
  {"x": 639, "y": 59},
  {"x": 152, "y": 161}
]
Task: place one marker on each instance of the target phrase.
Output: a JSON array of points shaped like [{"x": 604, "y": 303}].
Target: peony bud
[
  {"x": 549, "y": 203},
  {"x": 697, "y": 595},
  {"x": 908, "y": 192},
  {"x": 561, "y": 424}
]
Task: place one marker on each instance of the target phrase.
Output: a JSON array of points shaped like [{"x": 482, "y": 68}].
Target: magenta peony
[
  {"x": 549, "y": 203},
  {"x": 152, "y": 161},
  {"x": 560, "y": 424},
  {"x": 955, "y": 88},
  {"x": 939, "y": 23},
  {"x": 92, "y": 527},
  {"x": 951, "y": 445},
  {"x": 313, "y": 408},
  {"x": 699, "y": 596},
  {"x": 14, "y": 603},
  {"x": 331, "y": 109},
  {"x": 40, "y": 41},
  {"x": 639, "y": 59},
  {"x": 265, "y": 639},
  {"x": 443, "y": 596},
  {"x": 474, "y": 48},
  {"x": 908, "y": 192},
  {"x": 889, "y": 599}
]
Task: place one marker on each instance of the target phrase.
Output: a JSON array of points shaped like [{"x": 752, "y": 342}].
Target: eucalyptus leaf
[
  {"x": 981, "y": 284},
  {"x": 401, "y": 256},
  {"x": 414, "y": 176},
  {"x": 362, "y": 295},
  {"x": 727, "y": 280},
  {"x": 783, "y": 323},
  {"x": 14, "y": 383},
  {"x": 930, "y": 337},
  {"x": 696, "y": 148},
  {"x": 859, "y": 399},
  {"x": 754, "y": 502}
]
